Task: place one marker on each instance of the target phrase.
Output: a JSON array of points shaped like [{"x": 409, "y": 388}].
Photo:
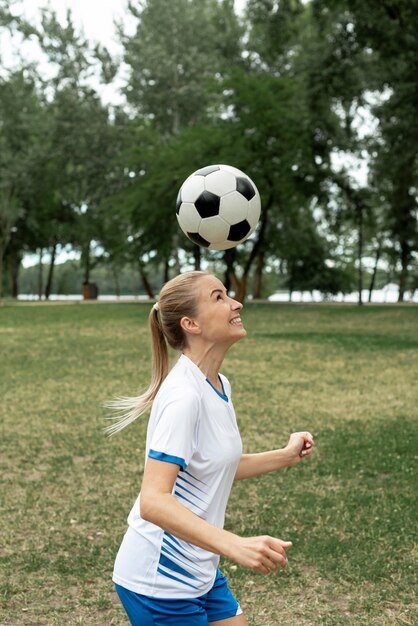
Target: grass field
[{"x": 348, "y": 374}]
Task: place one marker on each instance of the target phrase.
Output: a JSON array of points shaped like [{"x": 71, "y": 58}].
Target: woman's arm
[
  {"x": 160, "y": 507},
  {"x": 300, "y": 446}
]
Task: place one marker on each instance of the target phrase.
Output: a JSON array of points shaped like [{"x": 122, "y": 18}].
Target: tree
[
  {"x": 72, "y": 158},
  {"x": 80, "y": 137},
  {"x": 20, "y": 144},
  {"x": 268, "y": 137},
  {"x": 174, "y": 86},
  {"x": 176, "y": 53},
  {"x": 385, "y": 34}
]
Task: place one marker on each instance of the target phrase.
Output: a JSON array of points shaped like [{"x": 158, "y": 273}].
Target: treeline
[
  {"x": 126, "y": 281},
  {"x": 293, "y": 93},
  {"x": 68, "y": 280}
]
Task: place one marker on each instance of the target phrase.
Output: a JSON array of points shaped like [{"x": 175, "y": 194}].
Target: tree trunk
[
  {"x": 14, "y": 272},
  {"x": 231, "y": 279},
  {"x": 85, "y": 260},
  {"x": 234, "y": 283},
  {"x": 145, "y": 282},
  {"x": 360, "y": 252},
  {"x": 405, "y": 258},
  {"x": 376, "y": 262},
  {"x": 197, "y": 258},
  {"x": 1, "y": 273},
  {"x": 238, "y": 285},
  {"x": 40, "y": 274},
  {"x": 13, "y": 265},
  {"x": 48, "y": 287},
  {"x": 116, "y": 279},
  {"x": 242, "y": 288},
  {"x": 403, "y": 215},
  {"x": 257, "y": 248},
  {"x": 258, "y": 276},
  {"x": 176, "y": 254},
  {"x": 166, "y": 271},
  {"x": 229, "y": 258}
]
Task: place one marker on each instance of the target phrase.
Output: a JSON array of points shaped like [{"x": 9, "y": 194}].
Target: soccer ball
[{"x": 218, "y": 207}]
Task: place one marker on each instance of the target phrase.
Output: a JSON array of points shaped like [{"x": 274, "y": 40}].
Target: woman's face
[{"x": 218, "y": 315}]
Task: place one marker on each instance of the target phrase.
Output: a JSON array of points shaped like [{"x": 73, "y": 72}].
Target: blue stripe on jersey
[
  {"x": 168, "y": 458},
  {"x": 221, "y": 395},
  {"x": 184, "y": 560},
  {"x": 185, "y": 553},
  {"x": 175, "y": 567},
  {"x": 189, "y": 483},
  {"x": 167, "y": 543},
  {"x": 190, "y": 492},
  {"x": 160, "y": 571},
  {"x": 180, "y": 495},
  {"x": 172, "y": 538},
  {"x": 178, "y": 542},
  {"x": 194, "y": 478}
]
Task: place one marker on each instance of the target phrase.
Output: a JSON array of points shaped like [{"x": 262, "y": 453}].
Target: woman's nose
[{"x": 237, "y": 305}]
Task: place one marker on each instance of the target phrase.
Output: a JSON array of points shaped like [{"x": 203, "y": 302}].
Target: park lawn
[{"x": 348, "y": 374}]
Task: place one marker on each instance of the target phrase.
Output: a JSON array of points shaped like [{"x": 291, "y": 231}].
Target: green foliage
[
  {"x": 178, "y": 48},
  {"x": 21, "y": 127},
  {"x": 277, "y": 93},
  {"x": 379, "y": 57}
]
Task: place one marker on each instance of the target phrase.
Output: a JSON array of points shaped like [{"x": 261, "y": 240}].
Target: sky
[{"x": 95, "y": 16}]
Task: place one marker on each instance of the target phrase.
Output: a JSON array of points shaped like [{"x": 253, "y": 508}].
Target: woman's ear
[{"x": 190, "y": 326}]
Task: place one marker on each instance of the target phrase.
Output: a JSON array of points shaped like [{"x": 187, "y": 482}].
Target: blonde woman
[{"x": 166, "y": 571}]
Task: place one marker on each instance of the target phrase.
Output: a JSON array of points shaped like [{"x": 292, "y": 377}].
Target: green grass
[{"x": 346, "y": 373}]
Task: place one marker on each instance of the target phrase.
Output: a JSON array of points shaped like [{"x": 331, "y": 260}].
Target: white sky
[{"x": 95, "y": 16}]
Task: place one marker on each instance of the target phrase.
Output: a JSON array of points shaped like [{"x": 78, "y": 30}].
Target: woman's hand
[
  {"x": 299, "y": 446},
  {"x": 261, "y": 554}
]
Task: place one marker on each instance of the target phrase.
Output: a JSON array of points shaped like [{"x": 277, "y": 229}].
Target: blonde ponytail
[{"x": 177, "y": 299}]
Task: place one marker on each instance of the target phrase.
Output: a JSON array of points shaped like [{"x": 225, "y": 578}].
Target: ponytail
[
  {"x": 177, "y": 300},
  {"x": 131, "y": 408}
]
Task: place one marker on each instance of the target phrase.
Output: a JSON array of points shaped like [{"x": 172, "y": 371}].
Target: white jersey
[{"x": 193, "y": 425}]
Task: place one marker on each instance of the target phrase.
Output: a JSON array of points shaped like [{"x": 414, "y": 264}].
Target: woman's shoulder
[
  {"x": 179, "y": 398},
  {"x": 181, "y": 382}
]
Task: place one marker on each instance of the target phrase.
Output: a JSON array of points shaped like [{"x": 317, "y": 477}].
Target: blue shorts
[{"x": 217, "y": 604}]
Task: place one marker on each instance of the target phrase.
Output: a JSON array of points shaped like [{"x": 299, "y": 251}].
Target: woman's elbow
[
  {"x": 145, "y": 507},
  {"x": 149, "y": 507}
]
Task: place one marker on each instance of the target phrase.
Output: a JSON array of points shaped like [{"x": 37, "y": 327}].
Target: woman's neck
[{"x": 208, "y": 360}]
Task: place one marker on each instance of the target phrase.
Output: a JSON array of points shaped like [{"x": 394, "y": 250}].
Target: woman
[{"x": 166, "y": 568}]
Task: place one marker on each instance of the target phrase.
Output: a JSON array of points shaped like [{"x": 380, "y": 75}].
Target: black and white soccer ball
[{"x": 218, "y": 207}]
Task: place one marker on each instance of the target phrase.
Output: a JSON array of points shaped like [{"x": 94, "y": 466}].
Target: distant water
[
  {"x": 79, "y": 297},
  {"x": 388, "y": 294}
]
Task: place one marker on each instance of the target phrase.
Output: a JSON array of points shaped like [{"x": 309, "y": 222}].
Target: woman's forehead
[{"x": 209, "y": 283}]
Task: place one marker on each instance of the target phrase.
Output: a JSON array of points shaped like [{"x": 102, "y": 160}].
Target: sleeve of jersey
[{"x": 175, "y": 436}]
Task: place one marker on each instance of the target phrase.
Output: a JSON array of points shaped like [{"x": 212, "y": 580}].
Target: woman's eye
[{"x": 219, "y": 297}]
